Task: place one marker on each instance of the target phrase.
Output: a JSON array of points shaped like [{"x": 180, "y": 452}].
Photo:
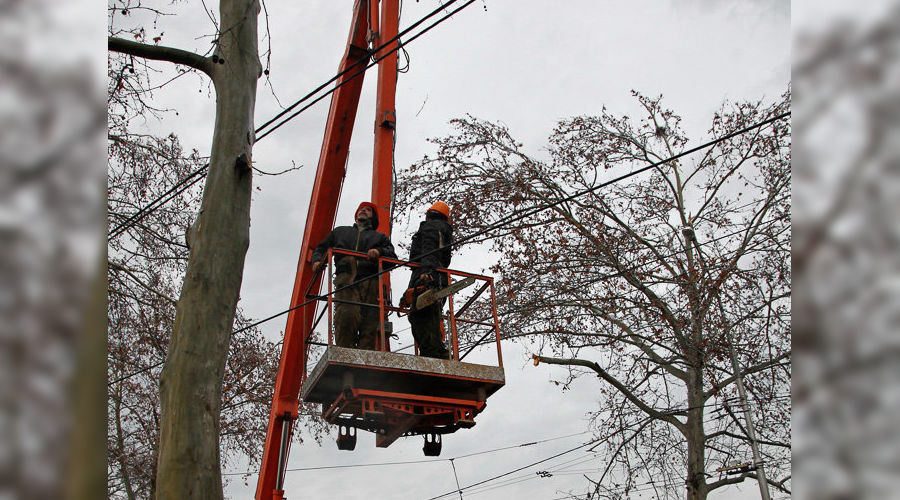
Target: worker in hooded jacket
[
  {"x": 356, "y": 326},
  {"x": 431, "y": 249}
]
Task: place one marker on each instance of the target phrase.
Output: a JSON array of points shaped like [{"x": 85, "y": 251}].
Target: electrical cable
[
  {"x": 456, "y": 477},
  {"x": 135, "y": 373},
  {"x": 549, "y": 471},
  {"x": 533, "y": 211},
  {"x": 522, "y": 445},
  {"x": 541, "y": 208},
  {"x": 360, "y": 61},
  {"x": 363, "y": 70},
  {"x": 408, "y": 462},
  {"x": 555, "y": 471},
  {"x": 472, "y": 346},
  {"x": 148, "y": 368},
  {"x": 516, "y": 470},
  {"x": 157, "y": 202},
  {"x": 150, "y": 207},
  {"x": 522, "y": 215}
]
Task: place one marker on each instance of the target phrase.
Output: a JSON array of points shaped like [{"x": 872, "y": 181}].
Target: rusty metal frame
[{"x": 392, "y": 415}]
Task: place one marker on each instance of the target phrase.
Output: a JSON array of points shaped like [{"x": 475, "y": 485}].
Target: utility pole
[
  {"x": 751, "y": 432},
  {"x": 745, "y": 405}
]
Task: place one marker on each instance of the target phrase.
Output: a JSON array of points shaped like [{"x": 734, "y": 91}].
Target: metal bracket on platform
[
  {"x": 432, "y": 446},
  {"x": 346, "y": 439}
]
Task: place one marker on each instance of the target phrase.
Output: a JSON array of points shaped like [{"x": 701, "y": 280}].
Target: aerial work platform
[
  {"x": 387, "y": 393},
  {"x": 394, "y": 394}
]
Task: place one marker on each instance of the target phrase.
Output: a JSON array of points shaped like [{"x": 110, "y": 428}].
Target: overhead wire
[
  {"x": 516, "y": 218},
  {"x": 473, "y": 489},
  {"x": 361, "y": 71},
  {"x": 533, "y": 211},
  {"x": 464, "y": 488},
  {"x": 153, "y": 205},
  {"x": 135, "y": 373},
  {"x": 633, "y": 269},
  {"x": 550, "y": 471},
  {"x": 421, "y": 461},
  {"x": 405, "y": 67},
  {"x": 158, "y": 201},
  {"x": 561, "y": 469}
]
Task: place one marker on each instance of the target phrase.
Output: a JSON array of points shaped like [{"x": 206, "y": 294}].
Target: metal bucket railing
[{"x": 452, "y": 316}]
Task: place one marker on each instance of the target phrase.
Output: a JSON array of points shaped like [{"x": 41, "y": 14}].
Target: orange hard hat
[{"x": 440, "y": 207}]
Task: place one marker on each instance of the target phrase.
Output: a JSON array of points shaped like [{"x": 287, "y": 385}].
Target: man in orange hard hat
[
  {"x": 356, "y": 325},
  {"x": 431, "y": 249}
]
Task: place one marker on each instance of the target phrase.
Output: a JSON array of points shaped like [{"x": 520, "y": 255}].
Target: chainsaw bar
[{"x": 429, "y": 297}]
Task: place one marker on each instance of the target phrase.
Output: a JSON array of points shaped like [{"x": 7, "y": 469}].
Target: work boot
[{"x": 439, "y": 354}]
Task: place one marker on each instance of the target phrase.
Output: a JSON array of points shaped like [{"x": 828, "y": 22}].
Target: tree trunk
[
  {"x": 696, "y": 442},
  {"x": 86, "y": 474},
  {"x": 191, "y": 381}
]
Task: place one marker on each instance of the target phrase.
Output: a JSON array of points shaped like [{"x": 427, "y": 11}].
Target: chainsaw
[{"x": 431, "y": 295}]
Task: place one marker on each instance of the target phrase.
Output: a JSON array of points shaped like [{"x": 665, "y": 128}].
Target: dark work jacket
[
  {"x": 432, "y": 234},
  {"x": 352, "y": 238}
]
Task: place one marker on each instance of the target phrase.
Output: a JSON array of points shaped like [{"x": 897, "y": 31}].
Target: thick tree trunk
[{"x": 191, "y": 381}]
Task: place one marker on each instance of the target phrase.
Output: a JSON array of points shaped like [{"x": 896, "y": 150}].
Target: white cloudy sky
[{"x": 527, "y": 63}]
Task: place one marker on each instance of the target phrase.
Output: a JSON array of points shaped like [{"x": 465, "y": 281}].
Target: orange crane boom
[
  {"x": 321, "y": 215},
  {"x": 390, "y": 394}
]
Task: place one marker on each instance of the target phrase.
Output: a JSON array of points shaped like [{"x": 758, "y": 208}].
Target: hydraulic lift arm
[{"x": 321, "y": 215}]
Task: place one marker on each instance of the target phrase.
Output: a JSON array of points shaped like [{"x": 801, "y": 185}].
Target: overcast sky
[{"x": 527, "y": 63}]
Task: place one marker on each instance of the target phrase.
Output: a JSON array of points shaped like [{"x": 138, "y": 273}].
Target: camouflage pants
[{"x": 356, "y": 326}]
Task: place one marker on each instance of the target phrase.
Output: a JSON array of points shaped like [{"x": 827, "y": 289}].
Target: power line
[
  {"x": 148, "y": 368},
  {"x": 158, "y": 202},
  {"x": 524, "y": 214},
  {"x": 541, "y": 208},
  {"x": 522, "y": 445},
  {"x": 369, "y": 65},
  {"x": 423, "y": 461},
  {"x": 515, "y": 470},
  {"x": 535, "y": 210},
  {"x": 360, "y": 61},
  {"x": 471, "y": 346},
  {"x": 555, "y": 471},
  {"x": 153, "y": 205},
  {"x": 551, "y": 471},
  {"x": 135, "y": 373}
]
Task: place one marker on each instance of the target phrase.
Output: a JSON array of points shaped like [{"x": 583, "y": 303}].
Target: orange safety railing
[{"x": 453, "y": 315}]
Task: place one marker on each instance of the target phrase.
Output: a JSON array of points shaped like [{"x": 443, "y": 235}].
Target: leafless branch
[{"x": 161, "y": 53}]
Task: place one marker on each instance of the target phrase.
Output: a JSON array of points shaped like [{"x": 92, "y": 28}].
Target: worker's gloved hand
[
  {"x": 373, "y": 254},
  {"x": 317, "y": 265},
  {"x": 425, "y": 278}
]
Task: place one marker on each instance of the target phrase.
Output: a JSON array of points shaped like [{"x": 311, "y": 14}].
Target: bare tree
[
  {"x": 146, "y": 264},
  {"x": 648, "y": 284},
  {"x": 192, "y": 378}
]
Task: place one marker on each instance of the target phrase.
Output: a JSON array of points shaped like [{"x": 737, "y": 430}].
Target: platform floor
[{"x": 400, "y": 373}]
